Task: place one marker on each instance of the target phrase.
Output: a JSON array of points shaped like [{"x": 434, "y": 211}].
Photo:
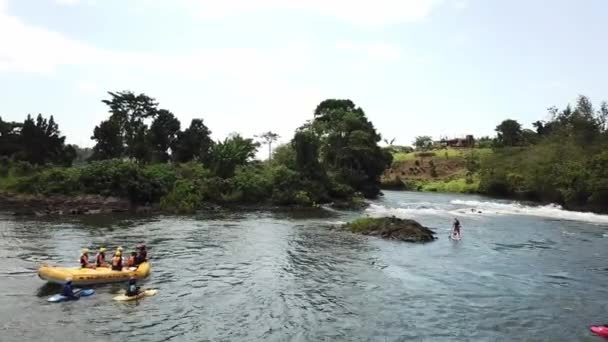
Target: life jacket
[
  {"x": 132, "y": 288},
  {"x": 84, "y": 260},
  {"x": 100, "y": 259},
  {"x": 68, "y": 291},
  {"x": 131, "y": 261},
  {"x": 117, "y": 263},
  {"x": 142, "y": 256}
]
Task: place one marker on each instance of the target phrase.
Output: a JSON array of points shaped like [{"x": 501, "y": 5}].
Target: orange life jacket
[
  {"x": 84, "y": 260},
  {"x": 131, "y": 261}
]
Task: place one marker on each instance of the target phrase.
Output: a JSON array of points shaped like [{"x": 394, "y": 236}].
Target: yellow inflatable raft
[{"x": 88, "y": 276}]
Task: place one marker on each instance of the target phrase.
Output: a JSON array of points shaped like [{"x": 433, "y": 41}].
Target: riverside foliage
[{"x": 142, "y": 154}]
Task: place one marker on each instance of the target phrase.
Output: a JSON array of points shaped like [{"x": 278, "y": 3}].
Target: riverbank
[{"x": 445, "y": 170}]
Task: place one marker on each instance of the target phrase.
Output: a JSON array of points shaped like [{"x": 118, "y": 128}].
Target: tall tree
[
  {"x": 194, "y": 143},
  {"x": 349, "y": 145},
  {"x": 509, "y": 133},
  {"x": 267, "y": 139},
  {"x": 163, "y": 135},
  {"x": 129, "y": 112}
]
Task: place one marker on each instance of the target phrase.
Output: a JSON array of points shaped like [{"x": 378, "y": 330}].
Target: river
[{"x": 520, "y": 273}]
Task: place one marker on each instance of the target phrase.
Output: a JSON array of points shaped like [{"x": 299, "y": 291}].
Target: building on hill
[{"x": 467, "y": 142}]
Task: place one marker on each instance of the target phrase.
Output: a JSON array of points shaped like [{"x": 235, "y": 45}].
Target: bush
[
  {"x": 253, "y": 182},
  {"x": 424, "y": 154},
  {"x": 185, "y": 197}
]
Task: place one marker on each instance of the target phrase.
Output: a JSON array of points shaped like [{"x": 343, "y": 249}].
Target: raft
[{"x": 88, "y": 276}]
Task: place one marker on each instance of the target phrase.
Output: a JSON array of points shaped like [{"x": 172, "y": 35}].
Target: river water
[{"x": 520, "y": 273}]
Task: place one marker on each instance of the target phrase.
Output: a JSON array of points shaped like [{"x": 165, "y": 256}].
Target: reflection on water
[{"x": 251, "y": 276}]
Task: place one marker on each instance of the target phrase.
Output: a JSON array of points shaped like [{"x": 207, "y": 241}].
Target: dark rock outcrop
[
  {"x": 39, "y": 205},
  {"x": 391, "y": 228}
]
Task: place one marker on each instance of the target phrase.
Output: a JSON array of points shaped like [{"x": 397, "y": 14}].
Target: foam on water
[
  {"x": 477, "y": 209},
  {"x": 552, "y": 211}
]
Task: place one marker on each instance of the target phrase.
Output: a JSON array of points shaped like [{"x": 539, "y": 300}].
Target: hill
[{"x": 442, "y": 170}]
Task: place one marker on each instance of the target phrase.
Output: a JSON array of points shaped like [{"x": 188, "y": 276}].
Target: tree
[
  {"x": 109, "y": 141},
  {"x": 348, "y": 145},
  {"x": 194, "y": 143},
  {"x": 232, "y": 152},
  {"x": 9, "y": 138},
  {"x": 509, "y": 133},
  {"x": 423, "y": 142},
  {"x": 267, "y": 139},
  {"x": 127, "y": 126},
  {"x": 41, "y": 142},
  {"x": 163, "y": 135}
]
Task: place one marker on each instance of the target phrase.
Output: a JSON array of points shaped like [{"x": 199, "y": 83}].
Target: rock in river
[{"x": 391, "y": 228}]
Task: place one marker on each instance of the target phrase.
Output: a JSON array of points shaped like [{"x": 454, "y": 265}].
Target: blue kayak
[{"x": 77, "y": 292}]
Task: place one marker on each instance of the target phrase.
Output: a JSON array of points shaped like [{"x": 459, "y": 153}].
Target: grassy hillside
[{"x": 445, "y": 170}]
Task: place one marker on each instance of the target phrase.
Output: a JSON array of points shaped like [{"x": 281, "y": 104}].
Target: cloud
[
  {"x": 359, "y": 12},
  {"x": 33, "y": 49}
]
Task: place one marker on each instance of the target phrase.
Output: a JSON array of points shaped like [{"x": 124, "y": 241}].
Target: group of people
[{"x": 116, "y": 262}]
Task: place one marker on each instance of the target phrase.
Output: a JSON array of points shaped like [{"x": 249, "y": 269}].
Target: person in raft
[
  {"x": 132, "y": 288},
  {"x": 132, "y": 260},
  {"x": 68, "y": 290},
  {"x": 100, "y": 259},
  {"x": 142, "y": 254},
  {"x": 117, "y": 261},
  {"x": 456, "y": 228},
  {"x": 84, "y": 259}
]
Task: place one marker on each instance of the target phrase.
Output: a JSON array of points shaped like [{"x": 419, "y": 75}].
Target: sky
[{"x": 416, "y": 67}]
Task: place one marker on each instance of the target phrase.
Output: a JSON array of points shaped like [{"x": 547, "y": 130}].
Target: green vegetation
[
  {"x": 141, "y": 154},
  {"x": 563, "y": 160}
]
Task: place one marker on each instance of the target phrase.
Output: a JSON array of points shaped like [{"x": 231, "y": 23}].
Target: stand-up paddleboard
[
  {"x": 142, "y": 294},
  {"x": 455, "y": 236},
  {"x": 77, "y": 292},
  {"x": 599, "y": 330}
]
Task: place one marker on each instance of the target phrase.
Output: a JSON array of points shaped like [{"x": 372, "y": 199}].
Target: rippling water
[{"x": 519, "y": 273}]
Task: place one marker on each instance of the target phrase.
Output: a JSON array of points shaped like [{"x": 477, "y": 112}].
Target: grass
[
  {"x": 459, "y": 185},
  {"x": 449, "y": 153}
]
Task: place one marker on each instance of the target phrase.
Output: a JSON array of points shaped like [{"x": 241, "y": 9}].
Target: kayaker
[
  {"x": 456, "y": 228},
  {"x": 142, "y": 254},
  {"x": 132, "y": 260},
  {"x": 132, "y": 288},
  {"x": 84, "y": 259},
  {"x": 100, "y": 259},
  {"x": 117, "y": 261},
  {"x": 68, "y": 290}
]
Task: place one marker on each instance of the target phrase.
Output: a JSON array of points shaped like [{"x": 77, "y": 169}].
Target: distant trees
[
  {"x": 267, "y": 139},
  {"x": 564, "y": 160},
  {"x": 509, "y": 133},
  {"x": 423, "y": 143},
  {"x": 163, "y": 135},
  {"x": 194, "y": 143},
  {"x": 143, "y": 153},
  {"x": 36, "y": 141}
]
